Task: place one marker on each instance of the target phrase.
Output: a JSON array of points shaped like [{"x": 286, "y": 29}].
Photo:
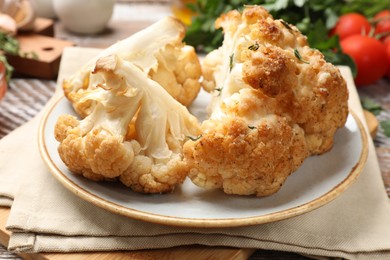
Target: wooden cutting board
[
  {"x": 40, "y": 56},
  {"x": 40, "y": 53}
]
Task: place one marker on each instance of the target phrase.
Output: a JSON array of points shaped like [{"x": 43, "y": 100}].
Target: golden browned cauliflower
[
  {"x": 158, "y": 51},
  {"x": 134, "y": 132},
  {"x": 276, "y": 102}
]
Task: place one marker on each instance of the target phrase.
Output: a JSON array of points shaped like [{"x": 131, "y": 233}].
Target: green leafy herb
[
  {"x": 9, "y": 44},
  {"x": 194, "y": 138},
  {"x": 8, "y": 68},
  {"x": 219, "y": 90},
  {"x": 254, "y": 47},
  {"x": 386, "y": 127},
  {"x": 371, "y": 105},
  {"x": 299, "y": 57},
  {"x": 376, "y": 108},
  {"x": 231, "y": 59},
  {"x": 32, "y": 55},
  {"x": 287, "y": 26},
  {"x": 252, "y": 127}
]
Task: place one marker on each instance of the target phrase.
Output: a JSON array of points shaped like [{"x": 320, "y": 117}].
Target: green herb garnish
[
  {"x": 8, "y": 68},
  {"x": 299, "y": 57},
  {"x": 219, "y": 90},
  {"x": 32, "y": 55},
  {"x": 386, "y": 127},
  {"x": 8, "y": 44},
  {"x": 252, "y": 127},
  {"x": 194, "y": 138},
  {"x": 254, "y": 47},
  {"x": 287, "y": 26},
  {"x": 231, "y": 57},
  {"x": 375, "y": 108},
  {"x": 371, "y": 105}
]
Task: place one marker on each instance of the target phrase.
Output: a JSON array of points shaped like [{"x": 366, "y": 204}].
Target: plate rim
[{"x": 199, "y": 222}]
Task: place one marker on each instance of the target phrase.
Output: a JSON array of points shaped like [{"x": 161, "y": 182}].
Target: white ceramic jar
[
  {"x": 86, "y": 16},
  {"x": 44, "y": 8}
]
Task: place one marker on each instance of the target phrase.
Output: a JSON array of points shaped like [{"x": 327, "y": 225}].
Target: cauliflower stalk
[
  {"x": 276, "y": 102},
  {"x": 134, "y": 132},
  {"x": 158, "y": 51}
]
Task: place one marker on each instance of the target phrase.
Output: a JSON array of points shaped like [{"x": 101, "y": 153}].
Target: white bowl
[{"x": 84, "y": 17}]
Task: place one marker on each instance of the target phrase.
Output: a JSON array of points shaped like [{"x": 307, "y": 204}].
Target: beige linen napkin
[{"x": 45, "y": 216}]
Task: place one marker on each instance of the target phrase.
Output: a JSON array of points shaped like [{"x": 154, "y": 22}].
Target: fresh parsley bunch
[{"x": 8, "y": 45}]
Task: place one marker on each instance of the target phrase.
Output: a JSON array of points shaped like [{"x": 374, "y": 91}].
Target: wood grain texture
[
  {"x": 44, "y": 26},
  {"x": 48, "y": 51}
]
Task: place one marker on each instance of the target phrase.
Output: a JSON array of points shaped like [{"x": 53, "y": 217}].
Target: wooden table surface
[{"x": 27, "y": 96}]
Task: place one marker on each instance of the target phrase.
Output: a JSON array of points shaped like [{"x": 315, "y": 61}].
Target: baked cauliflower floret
[
  {"x": 246, "y": 160},
  {"x": 98, "y": 153},
  {"x": 245, "y": 148},
  {"x": 178, "y": 71},
  {"x": 274, "y": 58},
  {"x": 276, "y": 102},
  {"x": 308, "y": 90},
  {"x": 134, "y": 133},
  {"x": 158, "y": 51}
]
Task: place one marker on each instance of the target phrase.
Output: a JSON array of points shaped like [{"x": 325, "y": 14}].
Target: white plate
[{"x": 318, "y": 181}]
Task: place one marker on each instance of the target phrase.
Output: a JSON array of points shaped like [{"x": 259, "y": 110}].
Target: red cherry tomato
[
  {"x": 369, "y": 55},
  {"x": 351, "y": 24},
  {"x": 3, "y": 81},
  {"x": 386, "y": 40},
  {"x": 388, "y": 57},
  {"x": 383, "y": 25}
]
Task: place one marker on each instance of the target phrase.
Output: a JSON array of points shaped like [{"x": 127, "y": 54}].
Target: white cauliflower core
[
  {"x": 133, "y": 132},
  {"x": 158, "y": 51}
]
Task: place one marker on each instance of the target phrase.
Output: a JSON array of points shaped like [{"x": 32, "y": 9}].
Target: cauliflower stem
[
  {"x": 96, "y": 146},
  {"x": 158, "y": 51}
]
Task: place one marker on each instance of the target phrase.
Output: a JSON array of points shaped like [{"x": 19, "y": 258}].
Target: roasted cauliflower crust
[
  {"x": 146, "y": 176},
  {"x": 276, "y": 102},
  {"x": 74, "y": 88},
  {"x": 313, "y": 95},
  {"x": 179, "y": 72},
  {"x": 96, "y": 155},
  {"x": 310, "y": 91},
  {"x": 244, "y": 160},
  {"x": 159, "y": 51}
]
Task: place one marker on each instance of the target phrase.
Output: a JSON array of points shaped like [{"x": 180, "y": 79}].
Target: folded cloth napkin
[{"x": 45, "y": 216}]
